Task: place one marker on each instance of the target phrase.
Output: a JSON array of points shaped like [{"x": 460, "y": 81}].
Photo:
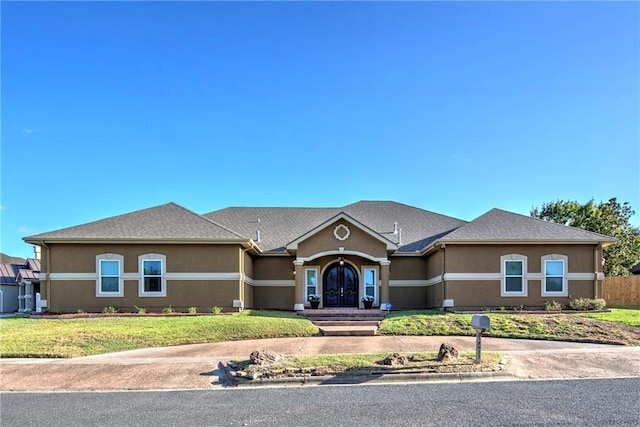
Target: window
[
  {"x": 513, "y": 278},
  {"x": 370, "y": 282},
  {"x": 514, "y": 271},
  {"x": 109, "y": 275},
  {"x": 310, "y": 282},
  {"x": 152, "y": 281},
  {"x": 554, "y": 278}
]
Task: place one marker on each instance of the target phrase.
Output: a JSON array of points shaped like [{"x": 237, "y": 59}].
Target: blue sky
[{"x": 110, "y": 107}]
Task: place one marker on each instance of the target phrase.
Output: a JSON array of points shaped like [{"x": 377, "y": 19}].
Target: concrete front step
[
  {"x": 351, "y": 331},
  {"x": 342, "y": 322},
  {"x": 345, "y": 318}
]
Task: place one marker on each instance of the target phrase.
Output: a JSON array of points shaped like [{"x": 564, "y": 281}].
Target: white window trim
[
  {"x": 306, "y": 294},
  {"x": 163, "y": 280},
  {"x": 109, "y": 257},
  {"x": 503, "y": 273},
  {"x": 376, "y": 286},
  {"x": 565, "y": 284}
]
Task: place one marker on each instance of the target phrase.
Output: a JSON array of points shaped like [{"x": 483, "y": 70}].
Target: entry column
[
  {"x": 384, "y": 285},
  {"x": 299, "y": 291}
]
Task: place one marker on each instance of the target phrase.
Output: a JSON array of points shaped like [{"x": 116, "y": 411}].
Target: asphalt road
[{"x": 610, "y": 402}]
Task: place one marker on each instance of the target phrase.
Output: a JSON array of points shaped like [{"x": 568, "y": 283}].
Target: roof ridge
[{"x": 209, "y": 221}]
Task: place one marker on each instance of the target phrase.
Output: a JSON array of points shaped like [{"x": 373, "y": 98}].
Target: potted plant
[
  {"x": 367, "y": 301},
  {"x": 314, "y": 301}
]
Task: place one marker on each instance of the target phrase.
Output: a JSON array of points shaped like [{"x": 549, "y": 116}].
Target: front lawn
[
  {"x": 24, "y": 337},
  {"x": 620, "y": 326}
]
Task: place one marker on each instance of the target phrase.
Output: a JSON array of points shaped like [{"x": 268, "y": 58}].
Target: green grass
[
  {"x": 628, "y": 315},
  {"x": 24, "y": 337},
  {"x": 620, "y": 326}
]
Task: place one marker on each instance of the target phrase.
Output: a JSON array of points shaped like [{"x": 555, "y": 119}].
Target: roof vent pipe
[
  {"x": 258, "y": 236},
  {"x": 395, "y": 228},
  {"x": 400, "y": 236}
]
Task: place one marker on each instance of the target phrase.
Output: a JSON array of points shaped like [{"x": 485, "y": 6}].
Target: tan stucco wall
[
  {"x": 180, "y": 258},
  {"x": 408, "y": 268},
  {"x": 248, "y": 265},
  {"x": 434, "y": 263},
  {"x": 69, "y": 296},
  {"x": 273, "y": 268},
  {"x": 274, "y": 297},
  {"x": 248, "y": 296},
  {"x": 408, "y": 298},
  {"x": 434, "y": 296},
  {"x": 486, "y": 258},
  {"x": 358, "y": 240},
  {"x": 76, "y": 294},
  {"x": 477, "y": 294}
]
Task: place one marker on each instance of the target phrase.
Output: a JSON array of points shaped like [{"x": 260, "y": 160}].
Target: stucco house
[
  {"x": 19, "y": 285},
  {"x": 274, "y": 258}
]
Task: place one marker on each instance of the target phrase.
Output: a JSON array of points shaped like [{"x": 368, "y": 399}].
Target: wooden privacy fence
[{"x": 622, "y": 290}]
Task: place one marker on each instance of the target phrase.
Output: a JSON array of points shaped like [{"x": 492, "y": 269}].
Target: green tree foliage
[{"x": 610, "y": 218}]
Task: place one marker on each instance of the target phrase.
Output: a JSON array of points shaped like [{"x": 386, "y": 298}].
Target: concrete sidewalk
[{"x": 196, "y": 366}]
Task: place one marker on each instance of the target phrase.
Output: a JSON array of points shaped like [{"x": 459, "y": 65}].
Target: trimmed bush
[
  {"x": 553, "y": 306},
  {"x": 587, "y": 304}
]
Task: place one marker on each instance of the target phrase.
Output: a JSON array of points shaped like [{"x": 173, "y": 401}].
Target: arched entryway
[{"x": 340, "y": 286}]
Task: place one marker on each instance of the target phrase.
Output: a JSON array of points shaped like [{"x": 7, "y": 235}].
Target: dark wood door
[{"x": 340, "y": 286}]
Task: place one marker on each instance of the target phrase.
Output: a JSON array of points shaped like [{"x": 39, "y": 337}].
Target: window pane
[
  {"x": 370, "y": 291},
  {"x": 311, "y": 277},
  {"x": 554, "y": 284},
  {"x": 311, "y": 290},
  {"x": 513, "y": 284},
  {"x": 152, "y": 284},
  {"x": 109, "y": 268},
  {"x": 109, "y": 284},
  {"x": 514, "y": 268},
  {"x": 555, "y": 268},
  {"x": 369, "y": 277},
  {"x": 152, "y": 267}
]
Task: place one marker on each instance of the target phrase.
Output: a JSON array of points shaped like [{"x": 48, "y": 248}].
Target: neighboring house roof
[
  {"x": 279, "y": 226},
  {"x": 8, "y": 273},
  {"x": 8, "y": 259},
  {"x": 160, "y": 223},
  {"x": 502, "y": 226},
  {"x": 33, "y": 264}
]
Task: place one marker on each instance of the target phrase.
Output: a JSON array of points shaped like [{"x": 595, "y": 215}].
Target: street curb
[{"x": 230, "y": 380}]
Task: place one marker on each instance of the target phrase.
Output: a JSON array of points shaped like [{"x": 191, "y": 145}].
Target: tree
[{"x": 610, "y": 218}]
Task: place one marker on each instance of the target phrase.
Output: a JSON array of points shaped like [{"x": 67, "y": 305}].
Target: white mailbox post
[{"x": 481, "y": 323}]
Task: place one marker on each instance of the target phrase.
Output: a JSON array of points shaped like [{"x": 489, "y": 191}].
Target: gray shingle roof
[
  {"x": 499, "y": 225},
  {"x": 279, "y": 226},
  {"x": 164, "y": 222}
]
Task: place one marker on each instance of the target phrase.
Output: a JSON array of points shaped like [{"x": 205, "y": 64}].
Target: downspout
[
  {"x": 48, "y": 285},
  {"x": 444, "y": 282},
  {"x": 243, "y": 276},
  {"x": 596, "y": 262}
]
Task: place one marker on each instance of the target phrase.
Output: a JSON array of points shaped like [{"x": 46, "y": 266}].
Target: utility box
[{"x": 480, "y": 321}]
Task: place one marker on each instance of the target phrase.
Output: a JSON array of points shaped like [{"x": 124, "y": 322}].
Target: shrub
[
  {"x": 81, "y": 311},
  {"x": 553, "y": 306},
  {"x": 216, "y": 310},
  {"x": 140, "y": 310},
  {"x": 110, "y": 310},
  {"x": 587, "y": 304},
  {"x": 168, "y": 310},
  {"x": 192, "y": 310}
]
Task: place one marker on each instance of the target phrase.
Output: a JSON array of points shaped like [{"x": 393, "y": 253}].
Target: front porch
[{"x": 345, "y": 321}]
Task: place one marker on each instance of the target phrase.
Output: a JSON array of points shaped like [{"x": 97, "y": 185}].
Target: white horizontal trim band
[
  {"x": 527, "y": 276},
  {"x": 282, "y": 283},
  {"x": 136, "y": 276}
]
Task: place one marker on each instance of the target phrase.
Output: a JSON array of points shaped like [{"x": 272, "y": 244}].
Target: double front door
[{"x": 340, "y": 286}]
